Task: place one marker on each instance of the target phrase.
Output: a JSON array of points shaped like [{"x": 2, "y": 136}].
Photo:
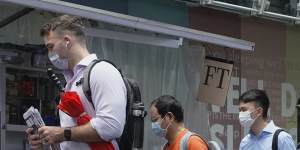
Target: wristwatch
[{"x": 67, "y": 134}]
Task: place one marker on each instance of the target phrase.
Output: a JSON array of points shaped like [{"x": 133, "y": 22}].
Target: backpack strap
[
  {"x": 275, "y": 139},
  {"x": 184, "y": 140},
  {"x": 164, "y": 146},
  {"x": 86, "y": 79}
]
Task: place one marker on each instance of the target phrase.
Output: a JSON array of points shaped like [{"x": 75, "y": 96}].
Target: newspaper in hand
[{"x": 33, "y": 118}]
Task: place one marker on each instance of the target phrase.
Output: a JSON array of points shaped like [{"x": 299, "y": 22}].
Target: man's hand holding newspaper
[{"x": 37, "y": 138}]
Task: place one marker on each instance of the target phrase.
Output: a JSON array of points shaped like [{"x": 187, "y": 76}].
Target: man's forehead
[
  {"x": 247, "y": 104},
  {"x": 154, "y": 111},
  {"x": 48, "y": 36},
  {"x": 52, "y": 35}
]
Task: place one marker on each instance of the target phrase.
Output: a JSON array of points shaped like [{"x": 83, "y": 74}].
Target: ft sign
[{"x": 215, "y": 81}]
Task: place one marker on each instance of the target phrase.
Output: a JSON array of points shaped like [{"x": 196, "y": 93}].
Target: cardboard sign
[{"x": 215, "y": 81}]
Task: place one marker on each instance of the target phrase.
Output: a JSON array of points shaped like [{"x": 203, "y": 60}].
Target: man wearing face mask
[
  {"x": 65, "y": 39},
  {"x": 167, "y": 122},
  {"x": 253, "y": 106}
]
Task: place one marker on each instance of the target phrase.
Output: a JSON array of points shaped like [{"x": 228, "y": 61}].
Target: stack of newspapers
[{"x": 34, "y": 120}]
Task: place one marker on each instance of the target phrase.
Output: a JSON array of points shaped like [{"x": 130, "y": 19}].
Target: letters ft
[{"x": 211, "y": 70}]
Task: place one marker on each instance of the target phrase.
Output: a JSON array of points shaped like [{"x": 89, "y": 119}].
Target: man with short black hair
[
  {"x": 167, "y": 122},
  {"x": 253, "y": 106}
]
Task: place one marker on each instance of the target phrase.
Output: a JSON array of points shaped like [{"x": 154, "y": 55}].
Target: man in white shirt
[{"x": 65, "y": 39}]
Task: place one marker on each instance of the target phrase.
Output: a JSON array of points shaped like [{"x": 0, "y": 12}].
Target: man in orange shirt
[{"x": 167, "y": 122}]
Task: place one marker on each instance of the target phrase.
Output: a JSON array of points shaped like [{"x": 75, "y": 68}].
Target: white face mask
[
  {"x": 245, "y": 119},
  {"x": 60, "y": 63}
]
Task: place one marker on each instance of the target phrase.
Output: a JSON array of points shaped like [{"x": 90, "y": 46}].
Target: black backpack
[{"x": 133, "y": 133}]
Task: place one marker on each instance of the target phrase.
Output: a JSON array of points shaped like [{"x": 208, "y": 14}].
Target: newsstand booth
[{"x": 163, "y": 58}]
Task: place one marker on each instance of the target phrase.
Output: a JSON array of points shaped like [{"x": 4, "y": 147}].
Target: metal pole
[
  {"x": 2, "y": 105},
  {"x": 232, "y": 6},
  {"x": 277, "y": 15},
  {"x": 261, "y": 12},
  {"x": 298, "y": 123},
  {"x": 15, "y": 16}
]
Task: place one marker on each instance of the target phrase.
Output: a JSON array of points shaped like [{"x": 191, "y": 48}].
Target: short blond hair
[{"x": 73, "y": 24}]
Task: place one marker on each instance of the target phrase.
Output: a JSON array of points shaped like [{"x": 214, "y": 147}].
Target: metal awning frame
[{"x": 135, "y": 22}]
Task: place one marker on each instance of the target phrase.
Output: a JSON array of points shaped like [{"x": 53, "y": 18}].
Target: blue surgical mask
[
  {"x": 60, "y": 63},
  {"x": 158, "y": 131}
]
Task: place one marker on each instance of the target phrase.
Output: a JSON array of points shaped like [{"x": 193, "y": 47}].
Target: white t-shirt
[{"x": 109, "y": 99}]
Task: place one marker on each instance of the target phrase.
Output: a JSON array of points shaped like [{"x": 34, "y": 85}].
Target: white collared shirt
[{"x": 109, "y": 99}]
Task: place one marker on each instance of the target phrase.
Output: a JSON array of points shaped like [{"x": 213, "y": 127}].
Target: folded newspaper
[{"x": 34, "y": 120}]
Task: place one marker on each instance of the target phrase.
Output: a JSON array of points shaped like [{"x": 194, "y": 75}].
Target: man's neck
[
  {"x": 259, "y": 125},
  {"x": 174, "y": 131},
  {"x": 78, "y": 54}
]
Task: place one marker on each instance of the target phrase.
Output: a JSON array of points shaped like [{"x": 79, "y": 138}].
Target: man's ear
[
  {"x": 261, "y": 110},
  {"x": 67, "y": 44},
  {"x": 67, "y": 39},
  {"x": 170, "y": 116}
]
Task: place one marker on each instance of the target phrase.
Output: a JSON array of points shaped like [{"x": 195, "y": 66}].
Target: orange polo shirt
[{"x": 194, "y": 143}]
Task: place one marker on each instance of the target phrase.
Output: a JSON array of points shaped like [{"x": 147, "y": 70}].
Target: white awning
[{"x": 135, "y": 22}]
